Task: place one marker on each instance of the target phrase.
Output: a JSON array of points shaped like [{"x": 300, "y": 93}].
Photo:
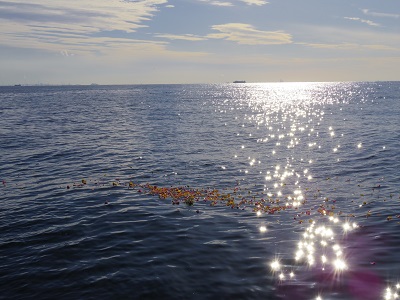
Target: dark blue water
[{"x": 327, "y": 152}]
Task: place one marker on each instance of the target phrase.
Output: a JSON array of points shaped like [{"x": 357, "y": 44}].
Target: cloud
[
  {"x": 105, "y": 15},
  {"x": 336, "y": 37},
  {"x": 72, "y": 25},
  {"x": 218, "y": 3},
  {"x": 371, "y": 23},
  {"x": 185, "y": 37},
  {"x": 342, "y": 46},
  {"x": 255, "y": 2},
  {"x": 246, "y": 34},
  {"x": 229, "y": 3},
  {"x": 378, "y": 14},
  {"x": 65, "y": 53},
  {"x": 350, "y": 46},
  {"x": 382, "y": 48}
]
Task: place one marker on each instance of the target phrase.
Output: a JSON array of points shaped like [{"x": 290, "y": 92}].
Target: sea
[{"x": 204, "y": 191}]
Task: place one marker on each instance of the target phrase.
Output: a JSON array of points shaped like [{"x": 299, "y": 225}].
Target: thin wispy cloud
[
  {"x": 382, "y": 48},
  {"x": 344, "y": 46},
  {"x": 103, "y": 15},
  {"x": 370, "y": 23},
  {"x": 58, "y": 24},
  {"x": 247, "y": 34},
  {"x": 184, "y": 37},
  {"x": 350, "y": 46},
  {"x": 255, "y": 2},
  {"x": 379, "y": 14},
  {"x": 232, "y": 3},
  {"x": 218, "y": 3}
]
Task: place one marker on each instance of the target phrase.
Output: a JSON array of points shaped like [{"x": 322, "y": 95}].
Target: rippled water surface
[{"x": 232, "y": 191}]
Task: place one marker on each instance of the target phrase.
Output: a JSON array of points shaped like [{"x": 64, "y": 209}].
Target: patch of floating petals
[
  {"x": 237, "y": 197},
  {"x": 241, "y": 198},
  {"x": 233, "y": 199}
]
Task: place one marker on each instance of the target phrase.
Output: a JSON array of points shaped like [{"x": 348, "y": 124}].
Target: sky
[{"x": 198, "y": 41}]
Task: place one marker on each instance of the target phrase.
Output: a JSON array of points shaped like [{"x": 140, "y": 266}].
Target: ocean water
[{"x": 225, "y": 191}]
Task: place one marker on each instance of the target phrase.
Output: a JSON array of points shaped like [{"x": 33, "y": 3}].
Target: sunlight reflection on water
[
  {"x": 392, "y": 292},
  {"x": 320, "y": 249},
  {"x": 287, "y": 123}
]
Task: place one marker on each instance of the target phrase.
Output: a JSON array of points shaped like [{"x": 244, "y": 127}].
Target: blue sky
[{"x": 198, "y": 41}]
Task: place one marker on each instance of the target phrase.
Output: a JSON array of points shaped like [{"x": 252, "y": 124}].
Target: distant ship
[{"x": 239, "y": 81}]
